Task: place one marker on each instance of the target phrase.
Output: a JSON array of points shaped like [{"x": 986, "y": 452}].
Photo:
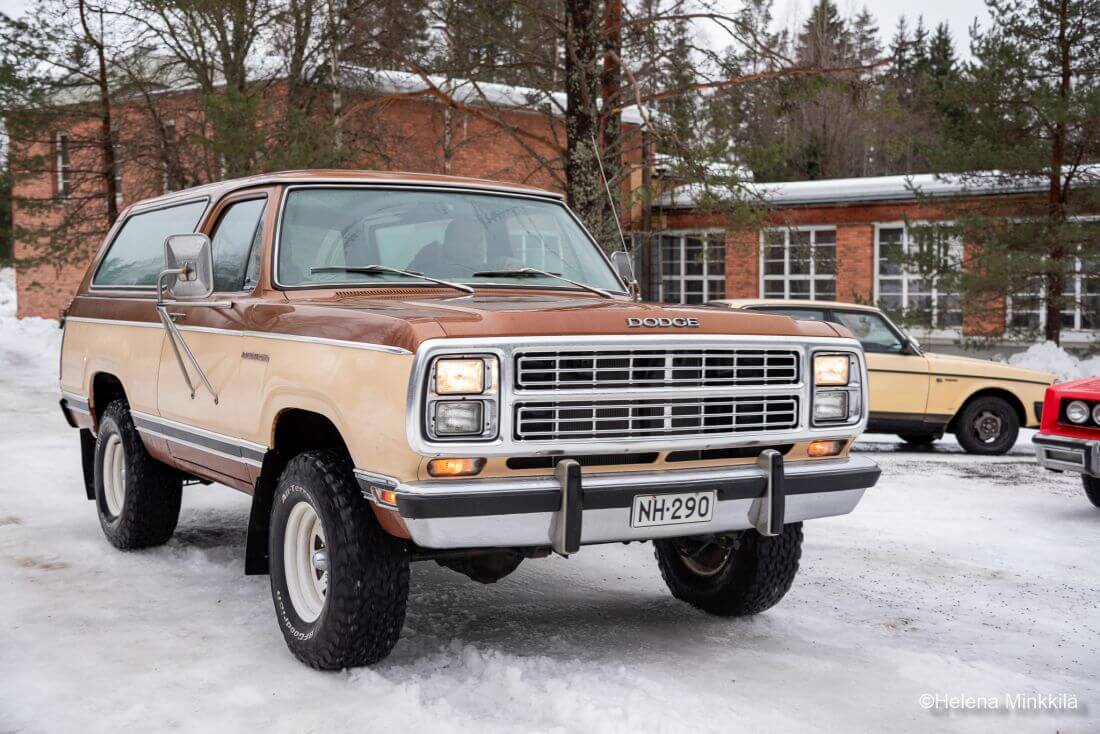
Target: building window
[
  {"x": 800, "y": 263},
  {"x": 901, "y": 289},
  {"x": 1026, "y": 310},
  {"x": 116, "y": 146},
  {"x": 693, "y": 267},
  {"x": 64, "y": 166}
]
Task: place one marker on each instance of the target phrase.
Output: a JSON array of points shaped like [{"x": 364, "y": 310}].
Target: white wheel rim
[
  {"x": 305, "y": 561},
  {"x": 114, "y": 475}
]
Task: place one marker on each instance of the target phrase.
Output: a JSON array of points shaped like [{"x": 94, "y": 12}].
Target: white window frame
[
  {"x": 64, "y": 164},
  {"x": 682, "y": 276},
  {"x": 787, "y": 277},
  {"x": 934, "y": 291},
  {"x": 1078, "y": 294}
]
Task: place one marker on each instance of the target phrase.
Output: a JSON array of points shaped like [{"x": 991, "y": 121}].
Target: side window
[
  {"x": 872, "y": 331},
  {"x": 236, "y": 244},
  {"x": 136, "y": 255}
]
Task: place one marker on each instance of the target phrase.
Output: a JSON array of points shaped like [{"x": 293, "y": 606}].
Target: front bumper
[
  {"x": 1059, "y": 453},
  {"x": 571, "y": 509}
]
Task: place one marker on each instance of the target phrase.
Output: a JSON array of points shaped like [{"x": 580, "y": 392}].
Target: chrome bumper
[
  {"x": 529, "y": 511},
  {"x": 1059, "y": 453}
]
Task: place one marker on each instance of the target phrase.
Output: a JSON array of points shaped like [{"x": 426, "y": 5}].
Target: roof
[
  {"x": 467, "y": 91},
  {"x": 336, "y": 176},
  {"x": 878, "y": 188},
  {"x": 737, "y": 303}
]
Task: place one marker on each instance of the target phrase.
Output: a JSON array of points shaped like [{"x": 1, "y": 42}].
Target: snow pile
[
  {"x": 7, "y": 292},
  {"x": 28, "y": 347},
  {"x": 1049, "y": 357}
]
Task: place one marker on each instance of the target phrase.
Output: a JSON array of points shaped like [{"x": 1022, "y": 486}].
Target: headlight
[
  {"x": 831, "y": 405},
  {"x": 459, "y": 417},
  {"x": 831, "y": 369},
  {"x": 1077, "y": 411},
  {"x": 475, "y": 417},
  {"x": 460, "y": 376},
  {"x": 1096, "y": 414}
]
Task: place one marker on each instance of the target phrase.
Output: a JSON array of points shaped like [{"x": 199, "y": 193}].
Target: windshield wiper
[
  {"x": 379, "y": 269},
  {"x": 536, "y": 273}
]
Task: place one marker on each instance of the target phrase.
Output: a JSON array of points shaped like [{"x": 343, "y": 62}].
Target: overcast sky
[{"x": 959, "y": 14}]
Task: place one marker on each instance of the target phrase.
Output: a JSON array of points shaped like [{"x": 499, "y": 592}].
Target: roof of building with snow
[{"x": 878, "y": 188}]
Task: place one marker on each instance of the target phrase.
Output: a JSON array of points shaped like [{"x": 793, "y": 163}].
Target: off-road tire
[
  {"x": 1092, "y": 488},
  {"x": 368, "y": 583},
  {"x": 918, "y": 439},
  {"x": 755, "y": 576},
  {"x": 151, "y": 503},
  {"x": 967, "y": 435}
]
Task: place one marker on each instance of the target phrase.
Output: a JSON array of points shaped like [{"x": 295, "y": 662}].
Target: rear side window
[
  {"x": 136, "y": 255},
  {"x": 236, "y": 244}
]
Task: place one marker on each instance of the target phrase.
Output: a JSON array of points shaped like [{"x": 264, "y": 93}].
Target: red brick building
[{"x": 833, "y": 240}]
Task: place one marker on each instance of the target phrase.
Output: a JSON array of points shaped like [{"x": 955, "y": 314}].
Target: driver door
[{"x": 207, "y": 432}]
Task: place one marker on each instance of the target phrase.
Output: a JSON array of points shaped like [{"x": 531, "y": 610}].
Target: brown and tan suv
[{"x": 400, "y": 367}]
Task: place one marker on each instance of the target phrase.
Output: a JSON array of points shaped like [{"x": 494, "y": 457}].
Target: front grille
[
  {"x": 642, "y": 367},
  {"x": 654, "y": 418}
]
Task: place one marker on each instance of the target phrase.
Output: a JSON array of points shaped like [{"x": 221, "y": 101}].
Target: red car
[{"x": 1069, "y": 435}]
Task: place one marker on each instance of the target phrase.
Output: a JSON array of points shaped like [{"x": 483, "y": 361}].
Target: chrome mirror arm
[{"x": 176, "y": 338}]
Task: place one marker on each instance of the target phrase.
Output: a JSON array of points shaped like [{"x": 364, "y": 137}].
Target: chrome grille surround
[
  {"x": 676, "y": 431},
  {"x": 611, "y": 369}
]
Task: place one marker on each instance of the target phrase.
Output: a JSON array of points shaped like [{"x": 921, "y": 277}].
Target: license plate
[{"x": 649, "y": 510}]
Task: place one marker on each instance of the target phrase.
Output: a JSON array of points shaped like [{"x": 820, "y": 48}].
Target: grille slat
[
  {"x": 545, "y": 420},
  {"x": 647, "y": 367}
]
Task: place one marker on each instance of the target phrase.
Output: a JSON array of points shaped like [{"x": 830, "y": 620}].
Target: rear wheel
[
  {"x": 731, "y": 575},
  {"x": 137, "y": 497},
  {"x": 987, "y": 426},
  {"x": 338, "y": 580},
  {"x": 918, "y": 439},
  {"x": 1092, "y": 488}
]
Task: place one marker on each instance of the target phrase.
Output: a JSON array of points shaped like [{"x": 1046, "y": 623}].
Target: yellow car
[{"x": 919, "y": 395}]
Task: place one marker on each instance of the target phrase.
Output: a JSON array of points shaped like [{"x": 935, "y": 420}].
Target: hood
[
  {"x": 407, "y": 318},
  {"x": 971, "y": 367}
]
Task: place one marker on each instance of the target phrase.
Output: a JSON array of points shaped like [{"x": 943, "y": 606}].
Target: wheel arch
[
  {"x": 105, "y": 387},
  {"x": 991, "y": 392},
  {"x": 293, "y": 431}
]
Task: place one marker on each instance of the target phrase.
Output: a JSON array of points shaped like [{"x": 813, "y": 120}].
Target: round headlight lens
[
  {"x": 1077, "y": 412},
  {"x": 1096, "y": 414}
]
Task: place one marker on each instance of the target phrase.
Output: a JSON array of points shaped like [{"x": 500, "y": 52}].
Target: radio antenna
[{"x": 610, "y": 198}]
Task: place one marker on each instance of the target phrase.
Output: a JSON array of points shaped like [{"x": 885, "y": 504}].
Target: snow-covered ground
[{"x": 956, "y": 576}]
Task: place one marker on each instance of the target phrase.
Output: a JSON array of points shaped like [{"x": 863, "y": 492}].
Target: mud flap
[
  {"x": 766, "y": 513},
  {"x": 87, "y": 461},
  {"x": 566, "y": 533}
]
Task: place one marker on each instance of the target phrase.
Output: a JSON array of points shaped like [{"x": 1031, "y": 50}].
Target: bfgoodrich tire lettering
[
  {"x": 367, "y": 569},
  {"x": 1092, "y": 488},
  {"x": 137, "y": 497},
  {"x": 750, "y": 575}
]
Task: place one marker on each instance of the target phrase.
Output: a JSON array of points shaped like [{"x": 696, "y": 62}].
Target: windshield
[{"x": 471, "y": 238}]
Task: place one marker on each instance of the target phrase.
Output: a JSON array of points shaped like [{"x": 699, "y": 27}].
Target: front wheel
[
  {"x": 338, "y": 580},
  {"x": 731, "y": 575},
  {"x": 987, "y": 426},
  {"x": 1092, "y": 488}
]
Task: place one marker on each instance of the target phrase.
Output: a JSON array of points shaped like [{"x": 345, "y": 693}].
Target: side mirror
[
  {"x": 624, "y": 265},
  {"x": 188, "y": 271}
]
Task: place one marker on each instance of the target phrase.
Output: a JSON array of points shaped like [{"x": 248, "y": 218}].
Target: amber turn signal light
[
  {"x": 385, "y": 496},
  {"x": 455, "y": 467},
  {"x": 820, "y": 449}
]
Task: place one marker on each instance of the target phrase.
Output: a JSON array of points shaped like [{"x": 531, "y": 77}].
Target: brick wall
[
  {"x": 855, "y": 263},
  {"x": 742, "y": 264}
]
